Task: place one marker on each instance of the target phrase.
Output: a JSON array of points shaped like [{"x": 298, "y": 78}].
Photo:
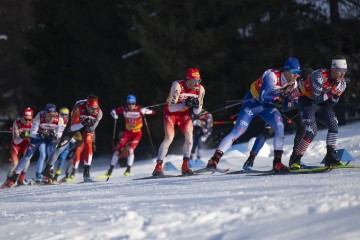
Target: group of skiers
[
  {"x": 52, "y": 133},
  {"x": 275, "y": 94}
]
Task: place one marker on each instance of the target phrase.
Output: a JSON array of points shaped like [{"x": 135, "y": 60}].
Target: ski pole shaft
[
  {"x": 238, "y": 100},
  {"x": 114, "y": 129},
  {"x": 148, "y": 131},
  {"x": 113, "y": 136},
  {"x": 156, "y": 105},
  {"x": 223, "y": 122},
  {"x": 229, "y": 106},
  {"x": 5, "y": 131}
]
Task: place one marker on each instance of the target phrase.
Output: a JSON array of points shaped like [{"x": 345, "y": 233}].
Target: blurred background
[{"x": 61, "y": 51}]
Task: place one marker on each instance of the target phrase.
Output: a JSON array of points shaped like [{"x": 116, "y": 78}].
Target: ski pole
[
  {"x": 238, "y": 100},
  {"x": 1, "y": 131},
  {"x": 113, "y": 136},
  {"x": 228, "y": 106},
  {"x": 224, "y": 122},
  {"x": 156, "y": 105},
  {"x": 289, "y": 120},
  {"x": 148, "y": 131}
]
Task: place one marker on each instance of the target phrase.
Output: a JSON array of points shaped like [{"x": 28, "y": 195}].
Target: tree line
[{"x": 61, "y": 51}]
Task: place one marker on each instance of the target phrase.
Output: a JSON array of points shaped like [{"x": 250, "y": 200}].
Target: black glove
[
  {"x": 189, "y": 102},
  {"x": 25, "y": 134},
  {"x": 195, "y": 102},
  {"x": 52, "y": 135},
  {"x": 278, "y": 101},
  {"x": 45, "y": 134},
  {"x": 89, "y": 121}
]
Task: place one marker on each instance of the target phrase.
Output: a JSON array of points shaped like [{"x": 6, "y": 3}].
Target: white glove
[{"x": 113, "y": 114}]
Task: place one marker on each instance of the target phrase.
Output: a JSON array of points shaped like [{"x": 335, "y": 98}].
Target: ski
[
  {"x": 91, "y": 181},
  {"x": 166, "y": 176},
  {"x": 249, "y": 171},
  {"x": 345, "y": 165},
  {"x": 212, "y": 170},
  {"x": 66, "y": 180},
  {"x": 103, "y": 176},
  {"x": 35, "y": 182},
  {"x": 294, "y": 172}
]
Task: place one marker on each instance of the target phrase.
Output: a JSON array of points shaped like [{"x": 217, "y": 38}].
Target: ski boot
[
  {"x": 214, "y": 160},
  {"x": 6, "y": 184},
  {"x": 10, "y": 181},
  {"x": 330, "y": 159},
  {"x": 277, "y": 164},
  {"x": 47, "y": 172},
  {"x": 39, "y": 177},
  {"x": 55, "y": 177},
  {"x": 86, "y": 174},
  {"x": 109, "y": 172},
  {"x": 249, "y": 163},
  {"x": 21, "y": 180},
  {"x": 158, "y": 168},
  {"x": 127, "y": 172},
  {"x": 185, "y": 170},
  {"x": 295, "y": 161},
  {"x": 71, "y": 177}
]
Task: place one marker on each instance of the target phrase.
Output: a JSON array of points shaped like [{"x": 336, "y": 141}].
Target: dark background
[{"x": 61, "y": 51}]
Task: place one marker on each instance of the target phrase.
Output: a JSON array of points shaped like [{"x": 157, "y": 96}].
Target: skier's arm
[
  {"x": 76, "y": 122},
  {"x": 35, "y": 127},
  {"x": 98, "y": 118},
  {"x": 173, "y": 104},
  {"x": 146, "y": 111},
  {"x": 267, "y": 93},
  {"x": 16, "y": 133},
  {"x": 59, "y": 128},
  {"x": 201, "y": 100},
  {"x": 319, "y": 94}
]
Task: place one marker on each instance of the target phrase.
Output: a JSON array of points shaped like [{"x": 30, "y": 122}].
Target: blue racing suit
[{"x": 261, "y": 104}]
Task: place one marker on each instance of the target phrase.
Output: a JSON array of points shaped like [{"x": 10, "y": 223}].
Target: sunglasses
[
  {"x": 295, "y": 71},
  {"x": 64, "y": 115},
  {"x": 343, "y": 70},
  {"x": 195, "y": 81},
  {"x": 27, "y": 120},
  {"x": 131, "y": 103},
  {"x": 93, "y": 108}
]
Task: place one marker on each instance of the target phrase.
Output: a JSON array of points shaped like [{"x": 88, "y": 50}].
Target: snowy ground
[{"x": 320, "y": 206}]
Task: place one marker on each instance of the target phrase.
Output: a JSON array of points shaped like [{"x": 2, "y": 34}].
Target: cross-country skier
[
  {"x": 85, "y": 117},
  {"x": 203, "y": 125},
  {"x": 64, "y": 114},
  {"x": 321, "y": 92},
  {"x": 262, "y": 98},
  {"x": 20, "y": 139},
  {"x": 291, "y": 114},
  {"x": 132, "y": 135},
  {"x": 185, "y": 96},
  {"x": 44, "y": 133}
]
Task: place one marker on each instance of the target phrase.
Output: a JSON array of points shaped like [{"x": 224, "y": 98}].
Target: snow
[{"x": 317, "y": 206}]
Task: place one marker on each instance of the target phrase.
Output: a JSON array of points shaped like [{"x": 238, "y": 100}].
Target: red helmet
[{"x": 28, "y": 113}]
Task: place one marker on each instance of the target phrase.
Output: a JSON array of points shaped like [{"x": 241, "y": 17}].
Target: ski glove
[
  {"x": 89, "y": 121},
  {"x": 45, "y": 134},
  {"x": 192, "y": 102},
  {"x": 338, "y": 87},
  {"x": 25, "y": 134},
  {"x": 195, "y": 103},
  {"x": 114, "y": 115},
  {"x": 189, "y": 102}
]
